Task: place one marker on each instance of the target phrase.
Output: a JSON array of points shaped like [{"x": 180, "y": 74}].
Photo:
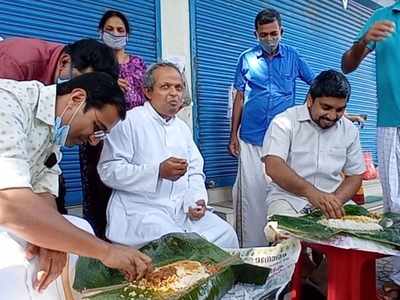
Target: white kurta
[{"x": 144, "y": 207}]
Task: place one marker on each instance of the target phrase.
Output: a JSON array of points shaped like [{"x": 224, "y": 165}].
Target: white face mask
[
  {"x": 113, "y": 41},
  {"x": 269, "y": 46}
]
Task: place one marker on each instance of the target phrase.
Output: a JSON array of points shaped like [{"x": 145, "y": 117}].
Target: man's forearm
[
  {"x": 286, "y": 178},
  {"x": 352, "y": 58},
  {"x": 348, "y": 188},
  {"x": 23, "y": 213},
  {"x": 237, "y": 113},
  {"x": 48, "y": 199}
]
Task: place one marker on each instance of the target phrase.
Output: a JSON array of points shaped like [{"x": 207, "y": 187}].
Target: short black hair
[
  {"x": 330, "y": 83},
  {"x": 101, "y": 89},
  {"x": 89, "y": 53},
  {"x": 267, "y": 16},
  {"x": 114, "y": 13}
]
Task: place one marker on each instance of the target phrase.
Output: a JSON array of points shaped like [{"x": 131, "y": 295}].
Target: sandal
[{"x": 391, "y": 291}]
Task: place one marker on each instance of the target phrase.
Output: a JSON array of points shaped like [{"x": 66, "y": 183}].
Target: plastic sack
[{"x": 371, "y": 172}]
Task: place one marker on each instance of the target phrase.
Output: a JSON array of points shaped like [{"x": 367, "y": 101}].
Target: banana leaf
[
  {"x": 308, "y": 227},
  {"x": 97, "y": 282}
]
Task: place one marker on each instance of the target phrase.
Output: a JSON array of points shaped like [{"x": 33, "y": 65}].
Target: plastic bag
[{"x": 371, "y": 172}]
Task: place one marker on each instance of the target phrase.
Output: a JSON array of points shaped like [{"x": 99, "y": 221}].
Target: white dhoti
[
  {"x": 388, "y": 141},
  {"x": 17, "y": 273},
  {"x": 249, "y": 197},
  {"x": 283, "y": 207},
  {"x": 138, "y": 228}
]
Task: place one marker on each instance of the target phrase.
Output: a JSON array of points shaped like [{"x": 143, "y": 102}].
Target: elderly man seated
[
  {"x": 156, "y": 171},
  {"x": 307, "y": 149}
]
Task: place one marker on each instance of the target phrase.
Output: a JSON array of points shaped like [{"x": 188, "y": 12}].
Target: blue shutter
[
  {"x": 68, "y": 21},
  {"x": 221, "y": 30}
]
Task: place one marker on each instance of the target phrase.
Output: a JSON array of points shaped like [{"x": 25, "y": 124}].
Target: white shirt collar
[
  {"x": 46, "y": 108},
  {"x": 156, "y": 115}
]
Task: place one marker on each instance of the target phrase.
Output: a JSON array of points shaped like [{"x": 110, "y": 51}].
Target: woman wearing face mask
[{"x": 114, "y": 30}]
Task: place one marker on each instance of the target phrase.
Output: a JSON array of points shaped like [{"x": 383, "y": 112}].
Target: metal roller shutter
[
  {"x": 68, "y": 21},
  {"x": 320, "y": 29}
]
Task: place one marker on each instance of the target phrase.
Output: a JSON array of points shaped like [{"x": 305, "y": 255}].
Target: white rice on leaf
[{"x": 353, "y": 223}]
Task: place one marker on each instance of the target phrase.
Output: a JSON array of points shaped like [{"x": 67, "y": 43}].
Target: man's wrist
[
  {"x": 309, "y": 190},
  {"x": 340, "y": 197},
  {"x": 102, "y": 250},
  {"x": 363, "y": 41}
]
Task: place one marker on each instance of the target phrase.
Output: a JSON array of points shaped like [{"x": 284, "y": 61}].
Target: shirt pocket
[
  {"x": 333, "y": 160},
  {"x": 302, "y": 160},
  {"x": 285, "y": 84}
]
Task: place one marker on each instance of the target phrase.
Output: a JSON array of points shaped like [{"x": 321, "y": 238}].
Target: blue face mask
[
  {"x": 113, "y": 41},
  {"x": 61, "y": 131},
  {"x": 61, "y": 79}
]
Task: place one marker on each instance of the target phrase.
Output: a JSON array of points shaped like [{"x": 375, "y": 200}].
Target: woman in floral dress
[{"x": 114, "y": 30}]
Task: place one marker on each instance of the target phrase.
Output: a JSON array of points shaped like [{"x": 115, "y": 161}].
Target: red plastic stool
[{"x": 351, "y": 273}]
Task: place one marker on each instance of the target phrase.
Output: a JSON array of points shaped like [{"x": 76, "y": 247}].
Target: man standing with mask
[{"x": 265, "y": 81}]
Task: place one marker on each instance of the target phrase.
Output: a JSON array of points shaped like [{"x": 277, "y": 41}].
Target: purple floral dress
[{"x": 133, "y": 72}]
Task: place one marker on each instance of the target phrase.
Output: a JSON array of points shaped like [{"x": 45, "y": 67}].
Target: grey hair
[{"x": 148, "y": 79}]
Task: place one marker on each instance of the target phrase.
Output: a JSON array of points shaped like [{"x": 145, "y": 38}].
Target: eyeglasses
[{"x": 99, "y": 133}]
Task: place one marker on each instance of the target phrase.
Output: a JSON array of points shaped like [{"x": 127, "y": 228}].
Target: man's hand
[
  {"x": 134, "y": 264},
  {"x": 379, "y": 31},
  {"x": 173, "y": 168},
  {"x": 234, "y": 146},
  {"x": 123, "y": 84},
  {"x": 329, "y": 204},
  {"x": 198, "y": 212},
  {"x": 51, "y": 265}
]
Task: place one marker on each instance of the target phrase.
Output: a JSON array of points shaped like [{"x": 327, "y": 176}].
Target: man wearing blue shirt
[
  {"x": 380, "y": 34},
  {"x": 265, "y": 81}
]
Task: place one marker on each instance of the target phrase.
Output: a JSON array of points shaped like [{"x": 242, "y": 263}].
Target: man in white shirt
[
  {"x": 35, "y": 120},
  {"x": 156, "y": 171},
  {"x": 308, "y": 148}
]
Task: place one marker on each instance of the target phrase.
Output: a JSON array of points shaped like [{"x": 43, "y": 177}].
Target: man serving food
[{"x": 308, "y": 147}]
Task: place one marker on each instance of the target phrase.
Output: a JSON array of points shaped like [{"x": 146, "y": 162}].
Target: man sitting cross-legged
[{"x": 155, "y": 170}]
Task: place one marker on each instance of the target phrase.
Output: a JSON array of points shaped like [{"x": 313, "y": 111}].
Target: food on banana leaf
[
  {"x": 174, "y": 277},
  {"x": 187, "y": 268},
  {"x": 356, "y": 223},
  {"x": 312, "y": 227}
]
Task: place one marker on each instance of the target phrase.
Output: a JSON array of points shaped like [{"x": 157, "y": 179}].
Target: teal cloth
[{"x": 387, "y": 66}]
